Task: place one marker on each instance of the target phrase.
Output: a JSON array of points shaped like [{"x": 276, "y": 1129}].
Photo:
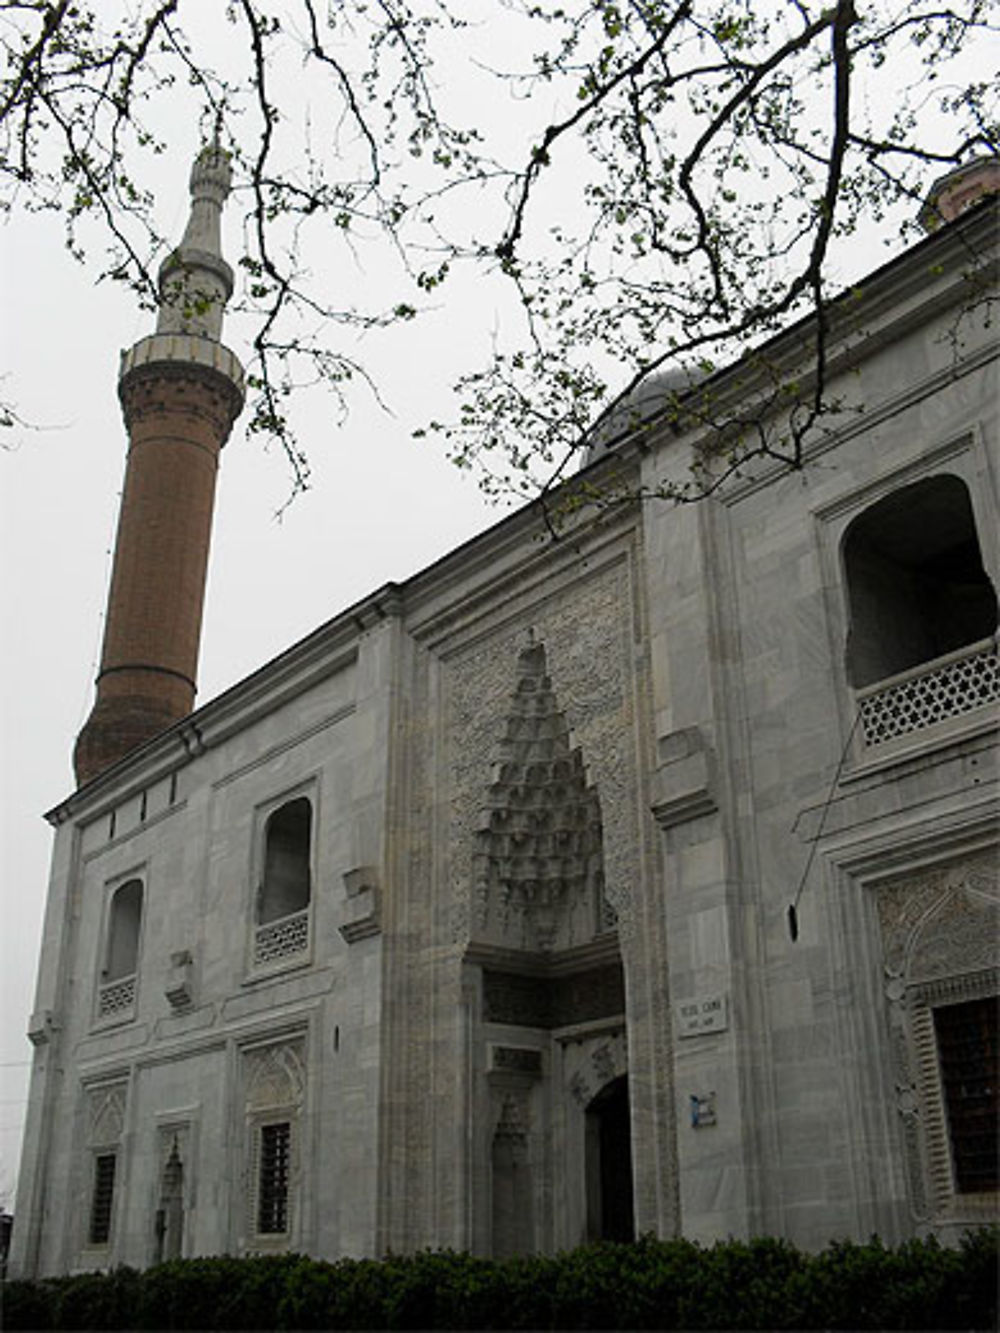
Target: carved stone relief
[
  {"x": 174, "y": 1169},
  {"x": 275, "y": 1075},
  {"x": 957, "y": 896},
  {"x": 516, "y": 1060},
  {"x": 512, "y": 1184},
  {"x": 591, "y": 1064},
  {"x": 512, "y": 1122},
  {"x": 105, "y": 1114},
  {"x": 553, "y": 1002}
]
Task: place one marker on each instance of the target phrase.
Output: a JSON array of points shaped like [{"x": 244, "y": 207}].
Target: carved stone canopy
[{"x": 539, "y": 863}]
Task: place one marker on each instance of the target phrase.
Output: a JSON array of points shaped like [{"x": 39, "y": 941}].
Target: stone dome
[{"x": 637, "y": 408}]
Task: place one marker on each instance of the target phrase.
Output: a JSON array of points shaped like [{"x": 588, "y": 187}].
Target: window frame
[
  {"x": 126, "y": 1007},
  {"x": 104, "y": 1108},
  {"x": 97, "y": 1156},
  {"x": 946, "y": 495},
  {"x": 948, "y": 1202},
  {"x": 261, "y": 969},
  {"x": 954, "y": 1072},
  {"x": 274, "y": 1081},
  {"x": 277, "y": 1197},
  {"x": 965, "y": 457}
]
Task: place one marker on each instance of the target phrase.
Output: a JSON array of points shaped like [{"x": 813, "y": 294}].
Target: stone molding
[
  {"x": 179, "y": 986},
  {"x": 683, "y": 785},
  {"x": 42, "y": 1027},
  {"x": 361, "y": 915},
  {"x": 218, "y": 402}
]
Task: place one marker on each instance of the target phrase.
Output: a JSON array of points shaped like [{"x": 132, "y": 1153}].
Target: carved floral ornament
[
  {"x": 593, "y": 1063},
  {"x": 940, "y": 922}
]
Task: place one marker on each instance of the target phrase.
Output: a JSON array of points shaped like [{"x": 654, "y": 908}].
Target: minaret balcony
[{"x": 191, "y": 348}]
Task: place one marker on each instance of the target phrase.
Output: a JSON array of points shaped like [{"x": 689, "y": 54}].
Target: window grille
[
  {"x": 116, "y": 998},
  {"x": 273, "y": 1179},
  {"x": 919, "y": 698},
  {"x": 968, "y": 1051},
  {"x": 282, "y": 939},
  {"x": 102, "y": 1199}
]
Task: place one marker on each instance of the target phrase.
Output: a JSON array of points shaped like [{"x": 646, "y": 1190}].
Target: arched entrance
[{"x": 610, "y": 1213}]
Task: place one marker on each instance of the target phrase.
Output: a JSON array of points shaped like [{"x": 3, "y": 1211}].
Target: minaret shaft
[{"x": 180, "y": 391}]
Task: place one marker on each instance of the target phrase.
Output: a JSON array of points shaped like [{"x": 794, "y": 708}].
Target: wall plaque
[{"x": 701, "y": 1014}]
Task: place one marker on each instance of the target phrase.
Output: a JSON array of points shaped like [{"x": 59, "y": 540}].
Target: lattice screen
[
  {"x": 116, "y": 998},
  {"x": 282, "y": 938},
  {"x": 931, "y": 696}
]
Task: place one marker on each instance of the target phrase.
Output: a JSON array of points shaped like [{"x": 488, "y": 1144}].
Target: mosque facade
[{"x": 640, "y": 881}]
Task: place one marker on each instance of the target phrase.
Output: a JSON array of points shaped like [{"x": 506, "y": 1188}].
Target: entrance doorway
[{"x": 610, "y": 1213}]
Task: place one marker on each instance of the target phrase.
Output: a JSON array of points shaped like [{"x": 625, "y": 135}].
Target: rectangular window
[
  {"x": 272, "y": 1183},
  {"x": 967, "y": 1037},
  {"x": 102, "y": 1198}
]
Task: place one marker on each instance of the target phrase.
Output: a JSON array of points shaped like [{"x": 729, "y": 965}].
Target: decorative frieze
[
  {"x": 553, "y": 1001},
  {"x": 516, "y": 1060}
]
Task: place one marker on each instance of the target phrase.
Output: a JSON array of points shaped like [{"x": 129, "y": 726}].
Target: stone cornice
[{"x": 329, "y": 649}]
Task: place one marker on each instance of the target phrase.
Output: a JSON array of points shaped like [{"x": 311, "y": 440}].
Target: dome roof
[{"x": 642, "y": 405}]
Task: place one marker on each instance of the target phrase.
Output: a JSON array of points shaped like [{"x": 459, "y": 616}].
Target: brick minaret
[{"x": 180, "y": 391}]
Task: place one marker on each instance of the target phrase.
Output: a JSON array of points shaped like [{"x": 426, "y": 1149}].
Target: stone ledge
[{"x": 683, "y": 784}]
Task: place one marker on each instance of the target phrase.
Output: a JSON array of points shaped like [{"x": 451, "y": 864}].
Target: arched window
[
  {"x": 116, "y": 994},
  {"x": 915, "y": 579},
  {"x": 124, "y": 922},
  {"x": 285, "y": 889}
]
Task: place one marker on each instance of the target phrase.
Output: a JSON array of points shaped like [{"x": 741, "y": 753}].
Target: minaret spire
[
  {"x": 181, "y": 390},
  {"x": 195, "y": 280}
]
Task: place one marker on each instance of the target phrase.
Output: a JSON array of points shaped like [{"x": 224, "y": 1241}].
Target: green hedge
[{"x": 649, "y": 1285}]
